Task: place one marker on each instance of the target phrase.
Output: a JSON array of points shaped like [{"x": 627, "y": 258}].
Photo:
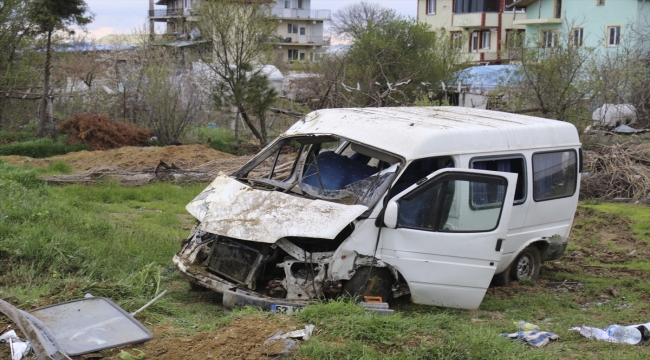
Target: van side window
[
  {"x": 479, "y": 197},
  {"x": 554, "y": 175},
  {"x": 441, "y": 205},
  {"x": 418, "y": 170}
]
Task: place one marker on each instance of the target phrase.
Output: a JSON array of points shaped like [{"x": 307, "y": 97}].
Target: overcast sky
[{"x": 123, "y": 16}]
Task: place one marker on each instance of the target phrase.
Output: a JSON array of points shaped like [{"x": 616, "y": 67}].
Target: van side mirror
[{"x": 390, "y": 214}]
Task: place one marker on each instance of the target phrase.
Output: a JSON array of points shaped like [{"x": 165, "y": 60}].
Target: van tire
[
  {"x": 379, "y": 283},
  {"x": 527, "y": 264},
  {"x": 503, "y": 278}
]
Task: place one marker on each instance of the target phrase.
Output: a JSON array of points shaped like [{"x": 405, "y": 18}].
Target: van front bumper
[{"x": 233, "y": 296}]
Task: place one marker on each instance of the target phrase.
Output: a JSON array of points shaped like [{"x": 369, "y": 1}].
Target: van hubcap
[{"x": 525, "y": 267}]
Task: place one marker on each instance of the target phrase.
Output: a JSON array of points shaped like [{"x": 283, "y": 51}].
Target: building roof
[{"x": 415, "y": 132}]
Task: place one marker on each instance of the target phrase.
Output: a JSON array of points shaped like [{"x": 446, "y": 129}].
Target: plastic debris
[
  {"x": 290, "y": 344},
  {"x": 624, "y": 334},
  {"x": 19, "y": 348},
  {"x": 536, "y": 339},
  {"x": 526, "y": 326},
  {"x": 608, "y": 336}
]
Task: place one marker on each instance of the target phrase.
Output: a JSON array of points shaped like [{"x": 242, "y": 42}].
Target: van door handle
[{"x": 499, "y": 242}]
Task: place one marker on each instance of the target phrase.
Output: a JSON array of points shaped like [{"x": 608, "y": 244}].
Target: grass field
[{"x": 58, "y": 243}]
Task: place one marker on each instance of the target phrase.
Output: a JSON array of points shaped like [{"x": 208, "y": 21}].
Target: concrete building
[
  {"x": 299, "y": 36},
  {"x": 593, "y": 23},
  {"x": 480, "y": 27}
]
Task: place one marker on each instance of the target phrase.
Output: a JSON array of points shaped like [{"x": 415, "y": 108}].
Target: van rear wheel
[{"x": 527, "y": 264}]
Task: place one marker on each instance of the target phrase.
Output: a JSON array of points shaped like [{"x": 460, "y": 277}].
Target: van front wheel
[
  {"x": 526, "y": 266},
  {"x": 369, "y": 281}
]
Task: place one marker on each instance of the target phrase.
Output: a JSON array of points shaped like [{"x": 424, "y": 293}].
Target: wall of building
[
  {"x": 593, "y": 18},
  {"x": 442, "y": 17}
]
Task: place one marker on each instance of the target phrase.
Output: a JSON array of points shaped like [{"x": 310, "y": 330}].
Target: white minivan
[{"x": 434, "y": 203}]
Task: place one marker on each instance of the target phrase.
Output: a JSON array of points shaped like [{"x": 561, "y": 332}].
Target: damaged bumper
[{"x": 234, "y": 297}]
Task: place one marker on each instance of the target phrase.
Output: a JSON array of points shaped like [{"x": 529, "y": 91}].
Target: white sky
[{"x": 123, "y": 16}]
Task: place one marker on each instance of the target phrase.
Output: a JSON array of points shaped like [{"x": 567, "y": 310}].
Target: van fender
[{"x": 550, "y": 248}]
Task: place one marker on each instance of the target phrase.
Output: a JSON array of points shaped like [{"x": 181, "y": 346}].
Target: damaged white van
[{"x": 428, "y": 202}]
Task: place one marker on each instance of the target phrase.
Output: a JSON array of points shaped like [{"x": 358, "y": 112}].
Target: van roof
[{"x": 415, "y": 132}]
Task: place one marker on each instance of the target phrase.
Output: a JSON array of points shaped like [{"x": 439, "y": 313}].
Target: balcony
[
  {"x": 476, "y": 20},
  {"x": 543, "y": 21},
  {"x": 307, "y": 40},
  {"x": 302, "y": 14},
  {"x": 165, "y": 13}
]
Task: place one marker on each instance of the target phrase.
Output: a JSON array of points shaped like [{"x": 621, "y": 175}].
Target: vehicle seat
[{"x": 336, "y": 171}]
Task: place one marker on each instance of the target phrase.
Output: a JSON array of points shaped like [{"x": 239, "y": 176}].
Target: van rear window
[{"x": 554, "y": 175}]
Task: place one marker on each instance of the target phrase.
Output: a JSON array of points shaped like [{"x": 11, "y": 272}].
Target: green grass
[
  {"x": 40, "y": 148},
  {"x": 58, "y": 243},
  {"x": 65, "y": 241}
]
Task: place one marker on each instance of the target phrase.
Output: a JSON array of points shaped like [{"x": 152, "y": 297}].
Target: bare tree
[
  {"x": 239, "y": 34},
  {"x": 620, "y": 74},
  {"x": 353, "y": 20},
  {"x": 553, "y": 77},
  {"x": 173, "y": 102}
]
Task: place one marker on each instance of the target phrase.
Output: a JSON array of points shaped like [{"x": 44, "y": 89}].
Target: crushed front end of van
[{"x": 268, "y": 235}]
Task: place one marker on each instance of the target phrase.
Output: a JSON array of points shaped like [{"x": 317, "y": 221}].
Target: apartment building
[
  {"x": 479, "y": 27},
  {"x": 602, "y": 24},
  {"x": 300, "y": 35}
]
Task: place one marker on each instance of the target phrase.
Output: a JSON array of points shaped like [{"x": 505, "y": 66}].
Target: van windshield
[{"x": 322, "y": 167}]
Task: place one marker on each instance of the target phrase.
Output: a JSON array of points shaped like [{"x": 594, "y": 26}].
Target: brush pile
[
  {"x": 101, "y": 133},
  {"x": 617, "y": 171}
]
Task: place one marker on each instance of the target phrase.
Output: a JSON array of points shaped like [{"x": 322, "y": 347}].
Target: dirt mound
[
  {"x": 242, "y": 339},
  {"x": 101, "y": 133},
  {"x": 604, "y": 237},
  {"x": 130, "y": 157}
]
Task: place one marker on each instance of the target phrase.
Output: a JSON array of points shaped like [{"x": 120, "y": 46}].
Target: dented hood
[{"x": 230, "y": 208}]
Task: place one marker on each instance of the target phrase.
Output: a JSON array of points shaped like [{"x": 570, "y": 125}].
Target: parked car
[{"x": 426, "y": 202}]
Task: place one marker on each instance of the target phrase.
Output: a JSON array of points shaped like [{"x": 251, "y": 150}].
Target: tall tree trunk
[
  {"x": 250, "y": 124},
  {"x": 46, "y": 88}
]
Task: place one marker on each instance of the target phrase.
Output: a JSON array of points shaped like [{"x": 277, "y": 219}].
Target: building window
[
  {"x": 600, "y": 2},
  {"x": 457, "y": 40},
  {"x": 292, "y": 28},
  {"x": 293, "y": 54},
  {"x": 431, "y": 7},
  {"x": 554, "y": 175},
  {"x": 485, "y": 39},
  {"x": 558, "y": 9},
  {"x": 474, "y": 6},
  {"x": 614, "y": 36},
  {"x": 515, "y": 38},
  {"x": 287, "y": 4},
  {"x": 548, "y": 38},
  {"x": 577, "y": 36},
  {"x": 515, "y": 8},
  {"x": 473, "y": 44}
]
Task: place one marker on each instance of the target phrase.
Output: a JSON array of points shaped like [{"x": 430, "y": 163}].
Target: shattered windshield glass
[
  {"x": 363, "y": 192},
  {"x": 323, "y": 167}
]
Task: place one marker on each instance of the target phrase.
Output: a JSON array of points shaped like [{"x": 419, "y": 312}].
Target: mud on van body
[{"x": 432, "y": 203}]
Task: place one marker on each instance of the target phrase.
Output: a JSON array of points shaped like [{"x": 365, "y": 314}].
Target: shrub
[{"x": 40, "y": 148}]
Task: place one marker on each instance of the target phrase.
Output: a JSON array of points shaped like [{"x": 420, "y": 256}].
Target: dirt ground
[
  {"x": 129, "y": 157},
  {"x": 243, "y": 338}
]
